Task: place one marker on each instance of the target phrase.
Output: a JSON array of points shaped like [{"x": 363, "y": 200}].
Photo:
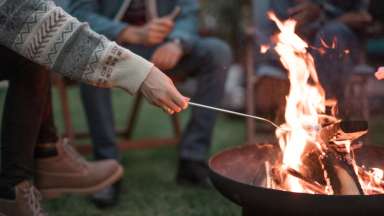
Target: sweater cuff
[
  {"x": 130, "y": 71},
  {"x": 111, "y": 65}
]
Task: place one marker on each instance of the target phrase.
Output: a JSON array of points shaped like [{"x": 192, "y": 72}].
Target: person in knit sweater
[
  {"x": 36, "y": 35},
  {"x": 166, "y": 33}
]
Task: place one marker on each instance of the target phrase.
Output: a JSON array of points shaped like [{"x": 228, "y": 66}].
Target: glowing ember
[
  {"x": 378, "y": 175},
  {"x": 264, "y": 48},
  {"x": 311, "y": 163}
]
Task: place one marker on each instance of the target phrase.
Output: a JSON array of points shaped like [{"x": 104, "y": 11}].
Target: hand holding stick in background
[
  {"x": 154, "y": 32},
  {"x": 150, "y": 34},
  {"x": 158, "y": 89}
]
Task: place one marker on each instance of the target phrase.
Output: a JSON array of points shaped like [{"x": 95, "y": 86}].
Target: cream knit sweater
[{"x": 47, "y": 35}]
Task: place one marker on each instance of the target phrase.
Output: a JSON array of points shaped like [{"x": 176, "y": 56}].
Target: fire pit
[
  {"x": 318, "y": 167},
  {"x": 239, "y": 174}
]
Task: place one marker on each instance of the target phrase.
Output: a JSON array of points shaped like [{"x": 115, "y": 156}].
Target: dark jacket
[{"x": 102, "y": 16}]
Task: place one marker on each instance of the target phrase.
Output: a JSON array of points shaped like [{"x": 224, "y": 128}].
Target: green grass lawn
[{"x": 149, "y": 187}]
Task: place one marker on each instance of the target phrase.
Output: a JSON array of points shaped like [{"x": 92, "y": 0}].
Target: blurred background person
[
  {"x": 336, "y": 27},
  {"x": 169, "y": 38}
]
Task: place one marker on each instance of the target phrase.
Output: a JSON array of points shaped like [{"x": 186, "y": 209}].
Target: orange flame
[
  {"x": 305, "y": 101},
  {"x": 305, "y": 104}
]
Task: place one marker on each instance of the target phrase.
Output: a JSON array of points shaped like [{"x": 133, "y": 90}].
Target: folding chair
[{"x": 63, "y": 84}]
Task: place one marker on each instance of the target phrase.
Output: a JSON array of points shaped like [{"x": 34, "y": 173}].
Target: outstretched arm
[{"x": 47, "y": 35}]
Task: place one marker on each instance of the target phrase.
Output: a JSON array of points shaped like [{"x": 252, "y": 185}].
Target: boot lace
[
  {"x": 74, "y": 154},
  {"x": 33, "y": 197}
]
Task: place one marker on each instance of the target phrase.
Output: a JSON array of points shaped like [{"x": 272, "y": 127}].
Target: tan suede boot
[
  {"x": 69, "y": 172},
  {"x": 27, "y": 202}
]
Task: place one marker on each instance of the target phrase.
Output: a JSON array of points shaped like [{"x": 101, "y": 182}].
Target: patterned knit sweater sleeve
[{"x": 47, "y": 35}]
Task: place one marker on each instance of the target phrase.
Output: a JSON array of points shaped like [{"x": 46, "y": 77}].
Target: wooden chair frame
[{"x": 126, "y": 133}]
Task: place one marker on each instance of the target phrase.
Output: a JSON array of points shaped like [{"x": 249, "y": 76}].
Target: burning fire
[{"x": 310, "y": 163}]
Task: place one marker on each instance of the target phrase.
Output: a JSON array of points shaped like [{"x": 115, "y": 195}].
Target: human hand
[
  {"x": 167, "y": 56},
  {"x": 380, "y": 73},
  {"x": 152, "y": 33},
  {"x": 160, "y": 91},
  {"x": 356, "y": 19}
]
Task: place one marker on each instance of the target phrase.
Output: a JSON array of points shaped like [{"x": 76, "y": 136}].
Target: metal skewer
[{"x": 235, "y": 113}]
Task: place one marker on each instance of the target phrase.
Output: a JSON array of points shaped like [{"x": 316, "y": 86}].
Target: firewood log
[{"x": 341, "y": 174}]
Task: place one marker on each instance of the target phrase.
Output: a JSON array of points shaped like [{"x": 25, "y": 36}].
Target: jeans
[
  {"x": 27, "y": 118},
  {"x": 208, "y": 61}
]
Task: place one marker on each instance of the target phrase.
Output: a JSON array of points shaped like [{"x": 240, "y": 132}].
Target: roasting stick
[
  {"x": 235, "y": 113},
  {"x": 151, "y": 12},
  {"x": 151, "y": 6}
]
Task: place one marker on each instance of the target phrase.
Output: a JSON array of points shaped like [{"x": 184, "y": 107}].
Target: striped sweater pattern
[{"x": 47, "y": 35}]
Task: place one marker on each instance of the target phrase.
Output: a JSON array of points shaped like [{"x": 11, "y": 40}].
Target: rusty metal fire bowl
[{"x": 239, "y": 174}]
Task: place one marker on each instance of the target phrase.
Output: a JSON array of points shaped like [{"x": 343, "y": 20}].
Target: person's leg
[
  {"x": 99, "y": 112},
  {"x": 335, "y": 66},
  {"x": 22, "y": 113},
  {"x": 98, "y": 108},
  {"x": 97, "y": 104},
  {"x": 209, "y": 61},
  {"x": 24, "y": 105},
  {"x": 48, "y": 137},
  {"x": 60, "y": 169},
  {"x": 28, "y": 120}
]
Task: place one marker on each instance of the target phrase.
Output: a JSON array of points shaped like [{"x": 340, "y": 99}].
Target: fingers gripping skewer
[{"x": 235, "y": 113}]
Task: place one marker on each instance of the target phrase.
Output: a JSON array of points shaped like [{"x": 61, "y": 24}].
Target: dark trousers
[
  {"x": 27, "y": 118},
  {"x": 337, "y": 65},
  {"x": 208, "y": 62}
]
